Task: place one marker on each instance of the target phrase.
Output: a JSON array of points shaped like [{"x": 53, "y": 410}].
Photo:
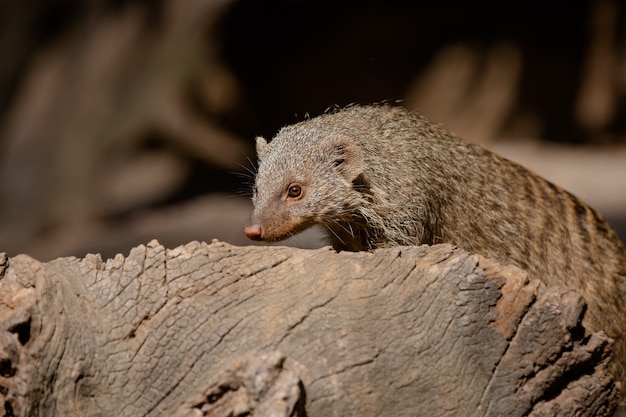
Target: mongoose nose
[{"x": 254, "y": 231}]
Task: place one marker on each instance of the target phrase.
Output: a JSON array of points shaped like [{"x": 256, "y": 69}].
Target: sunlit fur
[{"x": 406, "y": 181}]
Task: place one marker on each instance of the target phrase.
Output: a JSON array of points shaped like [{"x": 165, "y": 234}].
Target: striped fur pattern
[{"x": 378, "y": 176}]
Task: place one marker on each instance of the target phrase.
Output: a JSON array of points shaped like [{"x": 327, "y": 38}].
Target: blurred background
[{"x": 127, "y": 120}]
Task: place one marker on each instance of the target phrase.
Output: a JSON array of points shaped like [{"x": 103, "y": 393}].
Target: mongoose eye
[{"x": 294, "y": 191}]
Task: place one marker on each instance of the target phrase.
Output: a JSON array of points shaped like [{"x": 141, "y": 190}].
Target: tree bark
[{"x": 221, "y": 330}]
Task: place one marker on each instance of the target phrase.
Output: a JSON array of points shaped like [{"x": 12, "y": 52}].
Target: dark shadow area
[{"x": 117, "y": 111}]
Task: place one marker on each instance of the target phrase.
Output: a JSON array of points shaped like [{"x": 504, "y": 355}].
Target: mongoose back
[{"x": 380, "y": 176}]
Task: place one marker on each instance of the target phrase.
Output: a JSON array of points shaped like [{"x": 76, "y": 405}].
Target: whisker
[
  {"x": 250, "y": 171},
  {"x": 243, "y": 192},
  {"x": 335, "y": 234},
  {"x": 350, "y": 232}
]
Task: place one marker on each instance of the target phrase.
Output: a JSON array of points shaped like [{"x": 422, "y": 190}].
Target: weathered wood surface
[{"x": 222, "y": 330}]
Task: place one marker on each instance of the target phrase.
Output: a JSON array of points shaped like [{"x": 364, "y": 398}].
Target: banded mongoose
[{"x": 379, "y": 176}]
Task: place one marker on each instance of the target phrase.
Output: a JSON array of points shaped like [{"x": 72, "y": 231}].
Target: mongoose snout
[{"x": 254, "y": 231}]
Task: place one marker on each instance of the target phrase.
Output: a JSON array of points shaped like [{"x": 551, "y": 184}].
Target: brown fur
[{"x": 379, "y": 176}]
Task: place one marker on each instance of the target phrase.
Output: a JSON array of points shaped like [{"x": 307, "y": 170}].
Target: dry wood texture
[{"x": 222, "y": 330}]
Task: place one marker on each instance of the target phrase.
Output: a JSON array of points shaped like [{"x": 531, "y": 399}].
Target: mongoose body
[{"x": 379, "y": 176}]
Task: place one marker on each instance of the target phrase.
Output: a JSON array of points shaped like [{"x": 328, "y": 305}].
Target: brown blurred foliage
[{"x": 120, "y": 119}]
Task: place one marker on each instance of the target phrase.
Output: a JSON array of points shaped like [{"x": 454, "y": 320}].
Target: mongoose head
[{"x": 306, "y": 176}]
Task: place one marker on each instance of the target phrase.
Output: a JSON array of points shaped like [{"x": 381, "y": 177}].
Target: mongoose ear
[
  {"x": 349, "y": 159},
  {"x": 261, "y": 148}
]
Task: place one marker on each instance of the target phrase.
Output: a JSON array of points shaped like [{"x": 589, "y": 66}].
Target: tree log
[{"x": 219, "y": 330}]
